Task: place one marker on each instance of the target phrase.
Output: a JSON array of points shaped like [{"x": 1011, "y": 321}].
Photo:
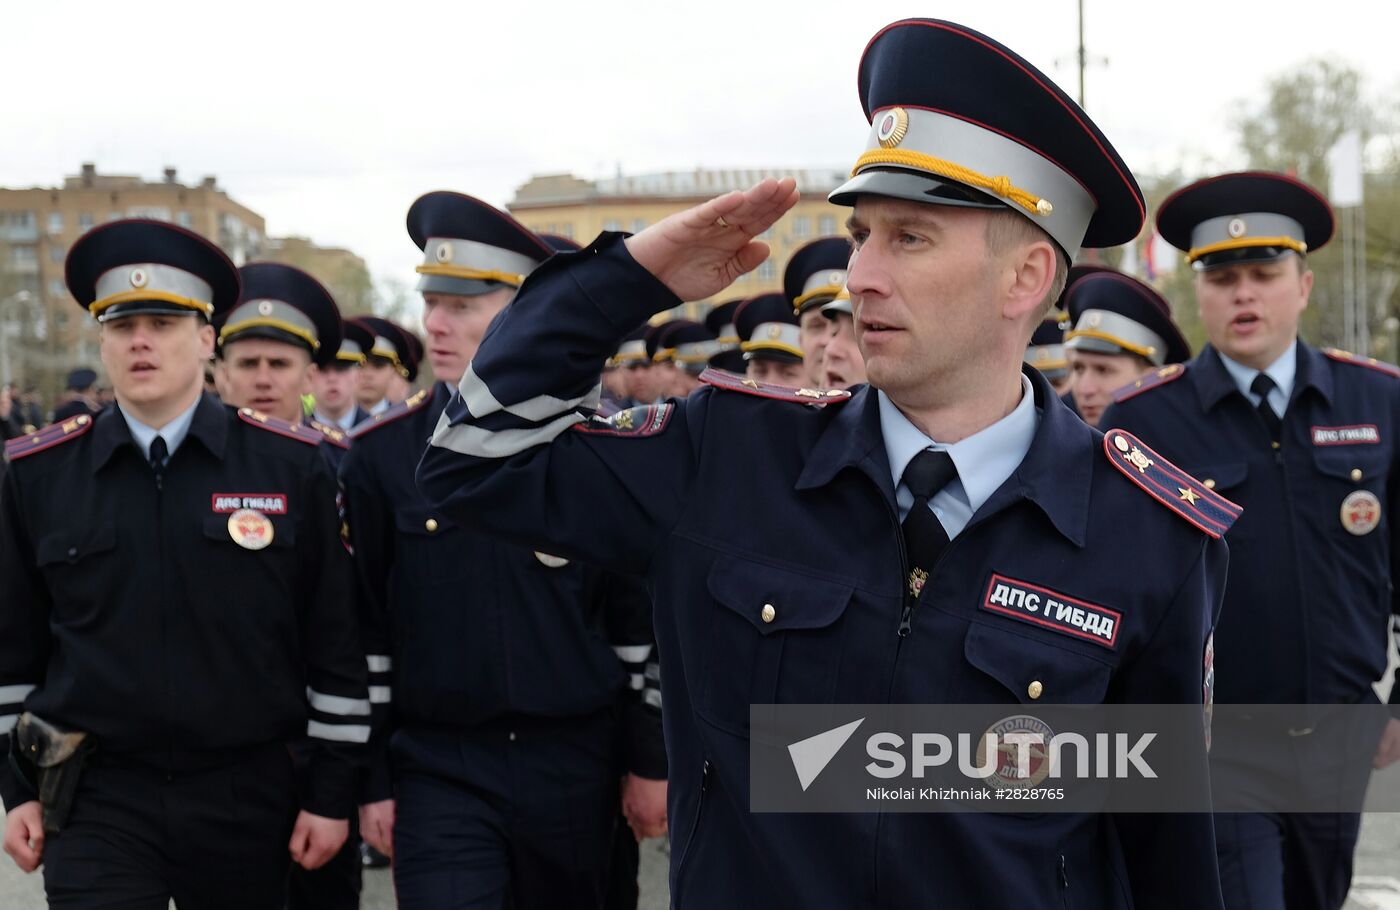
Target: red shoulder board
[
  {"x": 1158, "y": 377},
  {"x": 334, "y": 435},
  {"x": 1169, "y": 485},
  {"x": 641, "y": 421},
  {"x": 47, "y": 437},
  {"x": 299, "y": 432},
  {"x": 402, "y": 409},
  {"x": 733, "y": 382},
  {"x": 1380, "y": 366}
]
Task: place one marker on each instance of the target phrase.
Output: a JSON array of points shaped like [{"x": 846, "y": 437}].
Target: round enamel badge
[
  {"x": 1019, "y": 764},
  {"x": 444, "y": 252},
  {"x": 1236, "y": 228},
  {"x": 554, "y": 562},
  {"x": 1361, "y": 512},
  {"x": 892, "y": 127},
  {"x": 250, "y": 529}
]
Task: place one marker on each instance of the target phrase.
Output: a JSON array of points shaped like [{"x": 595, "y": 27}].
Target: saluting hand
[
  {"x": 699, "y": 252},
  {"x": 24, "y": 835},
  {"x": 316, "y": 839}
]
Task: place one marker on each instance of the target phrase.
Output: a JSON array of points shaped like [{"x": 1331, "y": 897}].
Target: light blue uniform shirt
[
  {"x": 984, "y": 460},
  {"x": 174, "y": 432},
  {"x": 1281, "y": 371}
]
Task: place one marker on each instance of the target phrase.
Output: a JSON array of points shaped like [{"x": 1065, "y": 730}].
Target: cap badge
[
  {"x": 265, "y": 307},
  {"x": 444, "y": 252},
  {"x": 836, "y": 278},
  {"x": 775, "y": 332},
  {"x": 1236, "y": 228},
  {"x": 139, "y": 278},
  {"x": 1093, "y": 319},
  {"x": 1361, "y": 513},
  {"x": 250, "y": 529},
  {"x": 893, "y": 127}
]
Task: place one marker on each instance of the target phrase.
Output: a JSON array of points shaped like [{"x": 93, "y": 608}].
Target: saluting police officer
[
  {"x": 500, "y": 786},
  {"x": 954, "y": 463},
  {"x": 1307, "y": 441},
  {"x": 178, "y": 609}
]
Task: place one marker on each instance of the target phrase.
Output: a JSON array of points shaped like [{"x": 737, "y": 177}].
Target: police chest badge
[
  {"x": 1361, "y": 513},
  {"x": 1022, "y": 759},
  {"x": 250, "y": 529}
]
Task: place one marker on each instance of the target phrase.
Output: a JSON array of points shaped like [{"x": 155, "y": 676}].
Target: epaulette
[
  {"x": 733, "y": 382},
  {"x": 47, "y": 437},
  {"x": 1380, "y": 366},
  {"x": 402, "y": 409},
  {"x": 1169, "y": 485},
  {"x": 299, "y": 432},
  {"x": 640, "y": 421},
  {"x": 1158, "y": 377},
  {"x": 334, "y": 435}
]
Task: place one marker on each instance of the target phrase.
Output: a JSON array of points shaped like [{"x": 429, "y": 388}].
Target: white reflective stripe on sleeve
[
  {"x": 7, "y": 723},
  {"x": 338, "y": 733},
  {"x": 635, "y": 680},
  {"x": 380, "y": 695},
  {"x": 337, "y": 704},
  {"x": 479, "y": 400},
  {"x": 652, "y": 697},
  {"x": 479, "y": 443},
  {"x": 632, "y": 654},
  {"x": 13, "y": 695},
  {"x": 379, "y": 663}
]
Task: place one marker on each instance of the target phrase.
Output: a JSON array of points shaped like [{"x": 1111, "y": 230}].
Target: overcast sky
[{"x": 330, "y": 118}]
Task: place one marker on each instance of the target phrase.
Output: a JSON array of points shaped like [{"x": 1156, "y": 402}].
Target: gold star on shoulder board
[{"x": 1188, "y": 495}]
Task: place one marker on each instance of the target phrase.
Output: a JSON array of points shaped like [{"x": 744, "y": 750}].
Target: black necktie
[
  {"x": 924, "y": 537},
  {"x": 160, "y": 454},
  {"x": 1262, "y": 386}
]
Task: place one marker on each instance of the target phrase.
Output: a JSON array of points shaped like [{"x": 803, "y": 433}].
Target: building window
[
  {"x": 184, "y": 220},
  {"x": 153, "y": 212},
  {"x": 55, "y": 222},
  {"x": 768, "y": 271},
  {"x": 85, "y": 221},
  {"x": 612, "y": 224},
  {"x": 567, "y": 229},
  {"x": 56, "y": 252},
  {"x": 24, "y": 255},
  {"x": 638, "y": 225},
  {"x": 802, "y": 227},
  {"x": 114, "y": 216},
  {"x": 57, "y": 288},
  {"x": 826, "y": 226}
]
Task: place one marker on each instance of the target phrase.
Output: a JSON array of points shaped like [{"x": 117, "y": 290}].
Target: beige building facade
[
  {"x": 43, "y": 332},
  {"x": 581, "y": 209}
]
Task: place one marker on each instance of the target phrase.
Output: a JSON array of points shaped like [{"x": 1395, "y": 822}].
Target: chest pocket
[
  {"x": 1346, "y": 473},
  {"x": 775, "y": 637},
  {"x": 1018, "y": 668},
  {"x": 75, "y": 563},
  {"x": 429, "y": 548},
  {"x": 73, "y": 547}
]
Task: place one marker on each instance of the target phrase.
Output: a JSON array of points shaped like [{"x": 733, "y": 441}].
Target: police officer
[
  {"x": 1046, "y": 352},
  {"x": 500, "y": 784},
  {"x": 390, "y": 355},
  {"x": 1120, "y": 330},
  {"x": 79, "y": 395},
  {"x": 333, "y": 384},
  {"x": 772, "y": 342},
  {"x": 687, "y": 346},
  {"x": 1306, "y": 440},
  {"x": 720, "y": 321},
  {"x": 705, "y": 493},
  {"x": 178, "y": 599},
  {"x": 814, "y": 275},
  {"x": 618, "y": 387},
  {"x": 843, "y": 365}
]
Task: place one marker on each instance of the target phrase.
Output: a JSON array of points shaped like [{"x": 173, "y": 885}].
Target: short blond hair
[{"x": 1007, "y": 230}]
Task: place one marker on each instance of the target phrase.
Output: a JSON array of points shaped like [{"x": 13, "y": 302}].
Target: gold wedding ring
[{"x": 721, "y": 222}]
